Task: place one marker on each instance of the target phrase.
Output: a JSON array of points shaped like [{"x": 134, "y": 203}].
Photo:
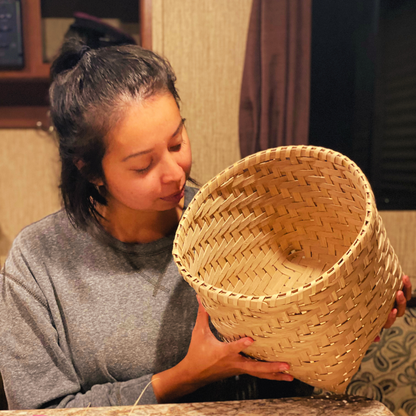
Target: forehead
[{"x": 143, "y": 123}]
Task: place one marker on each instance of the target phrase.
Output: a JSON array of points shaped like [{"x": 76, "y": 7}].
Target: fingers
[
  {"x": 407, "y": 287},
  {"x": 400, "y": 303},
  {"x": 224, "y": 359},
  {"x": 402, "y": 296},
  {"x": 274, "y": 376},
  {"x": 252, "y": 366},
  {"x": 266, "y": 370},
  {"x": 279, "y": 376},
  {"x": 391, "y": 318}
]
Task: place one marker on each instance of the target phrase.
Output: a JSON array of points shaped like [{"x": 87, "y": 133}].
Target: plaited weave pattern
[{"x": 286, "y": 246}]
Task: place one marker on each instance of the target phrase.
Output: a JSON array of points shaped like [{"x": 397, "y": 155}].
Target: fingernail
[
  {"x": 284, "y": 367},
  {"x": 288, "y": 377},
  {"x": 248, "y": 342}
]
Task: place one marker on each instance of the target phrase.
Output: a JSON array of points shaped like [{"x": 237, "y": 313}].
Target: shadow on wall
[
  {"x": 5, "y": 244},
  {"x": 4, "y": 249},
  {"x": 3, "y": 401}
]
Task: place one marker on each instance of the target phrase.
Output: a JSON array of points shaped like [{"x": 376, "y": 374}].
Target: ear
[
  {"x": 98, "y": 182},
  {"x": 80, "y": 164}
]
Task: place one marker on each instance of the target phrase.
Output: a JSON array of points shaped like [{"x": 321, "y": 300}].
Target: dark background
[
  {"x": 126, "y": 11},
  {"x": 363, "y": 91}
]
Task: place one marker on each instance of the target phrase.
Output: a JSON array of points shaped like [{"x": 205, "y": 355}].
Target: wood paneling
[
  {"x": 205, "y": 42},
  {"x": 401, "y": 230},
  {"x": 146, "y": 23},
  {"x": 24, "y": 117},
  {"x": 29, "y": 179}
]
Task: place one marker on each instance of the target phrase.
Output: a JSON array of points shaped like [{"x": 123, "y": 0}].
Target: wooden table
[{"x": 311, "y": 406}]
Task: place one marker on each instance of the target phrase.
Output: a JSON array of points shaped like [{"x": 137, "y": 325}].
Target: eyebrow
[{"x": 145, "y": 152}]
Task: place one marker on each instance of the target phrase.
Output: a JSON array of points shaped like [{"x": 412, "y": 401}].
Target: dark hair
[{"x": 90, "y": 90}]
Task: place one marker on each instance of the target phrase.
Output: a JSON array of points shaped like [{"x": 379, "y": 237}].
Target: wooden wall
[
  {"x": 400, "y": 229},
  {"x": 29, "y": 171},
  {"x": 205, "y": 42}
]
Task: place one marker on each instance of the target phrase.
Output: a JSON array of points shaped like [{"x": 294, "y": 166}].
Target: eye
[
  {"x": 176, "y": 148},
  {"x": 144, "y": 170}
]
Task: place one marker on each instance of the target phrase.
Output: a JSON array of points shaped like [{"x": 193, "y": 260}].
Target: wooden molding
[
  {"x": 146, "y": 23},
  {"x": 24, "y": 117}
]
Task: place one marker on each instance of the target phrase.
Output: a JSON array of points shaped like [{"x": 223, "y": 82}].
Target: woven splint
[{"x": 286, "y": 246}]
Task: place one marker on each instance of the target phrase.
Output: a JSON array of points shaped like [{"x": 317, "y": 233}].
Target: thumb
[
  {"x": 202, "y": 319},
  {"x": 240, "y": 345}
]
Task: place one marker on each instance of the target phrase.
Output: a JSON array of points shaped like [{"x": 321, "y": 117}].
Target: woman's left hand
[{"x": 402, "y": 296}]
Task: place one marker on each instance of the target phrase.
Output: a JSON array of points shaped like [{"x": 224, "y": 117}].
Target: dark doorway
[{"x": 363, "y": 91}]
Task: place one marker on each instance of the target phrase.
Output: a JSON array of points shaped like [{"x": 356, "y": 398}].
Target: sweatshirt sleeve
[{"x": 35, "y": 364}]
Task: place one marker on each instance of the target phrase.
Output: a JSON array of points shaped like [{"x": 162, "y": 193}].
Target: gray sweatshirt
[{"x": 88, "y": 321}]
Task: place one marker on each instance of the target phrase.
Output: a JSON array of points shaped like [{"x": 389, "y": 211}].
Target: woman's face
[{"x": 148, "y": 158}]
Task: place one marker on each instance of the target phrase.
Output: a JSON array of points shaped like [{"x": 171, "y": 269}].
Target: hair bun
[
  {"x": 72, "y": 51},
  {"x": 83, "y": 50}
]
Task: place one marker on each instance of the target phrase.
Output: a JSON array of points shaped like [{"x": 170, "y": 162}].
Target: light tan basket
[{"x": 286, "y": 246}]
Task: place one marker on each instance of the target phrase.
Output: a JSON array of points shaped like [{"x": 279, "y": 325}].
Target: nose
[{"x": 171, "y": 169}]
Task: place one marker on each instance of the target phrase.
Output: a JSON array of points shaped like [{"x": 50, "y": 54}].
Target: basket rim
[{"x": 329, "y": 276}]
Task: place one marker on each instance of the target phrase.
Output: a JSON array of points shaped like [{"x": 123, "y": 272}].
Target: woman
[{"x": 93, "y": 309}]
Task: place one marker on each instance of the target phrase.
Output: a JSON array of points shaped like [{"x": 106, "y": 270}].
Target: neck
[{"x": 131, "y": 226}]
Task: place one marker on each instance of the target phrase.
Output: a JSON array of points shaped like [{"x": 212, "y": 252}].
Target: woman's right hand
[{"x": 209, "y": 360}]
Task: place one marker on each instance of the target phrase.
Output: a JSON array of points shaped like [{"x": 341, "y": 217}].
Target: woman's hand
[
  {"x": 402, "y": 296},
  {"x": 210, "y": 360},
  {"x": 213, "y": 360}
]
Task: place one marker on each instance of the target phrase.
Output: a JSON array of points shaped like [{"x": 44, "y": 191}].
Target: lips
[{"x": 175, "y": 197}]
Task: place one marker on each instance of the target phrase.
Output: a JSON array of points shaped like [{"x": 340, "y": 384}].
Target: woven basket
[{"x": 286, "y": 246}]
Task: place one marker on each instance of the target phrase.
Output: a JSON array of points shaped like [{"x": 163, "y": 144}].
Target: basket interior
[{"x": 274, "y": 226}]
